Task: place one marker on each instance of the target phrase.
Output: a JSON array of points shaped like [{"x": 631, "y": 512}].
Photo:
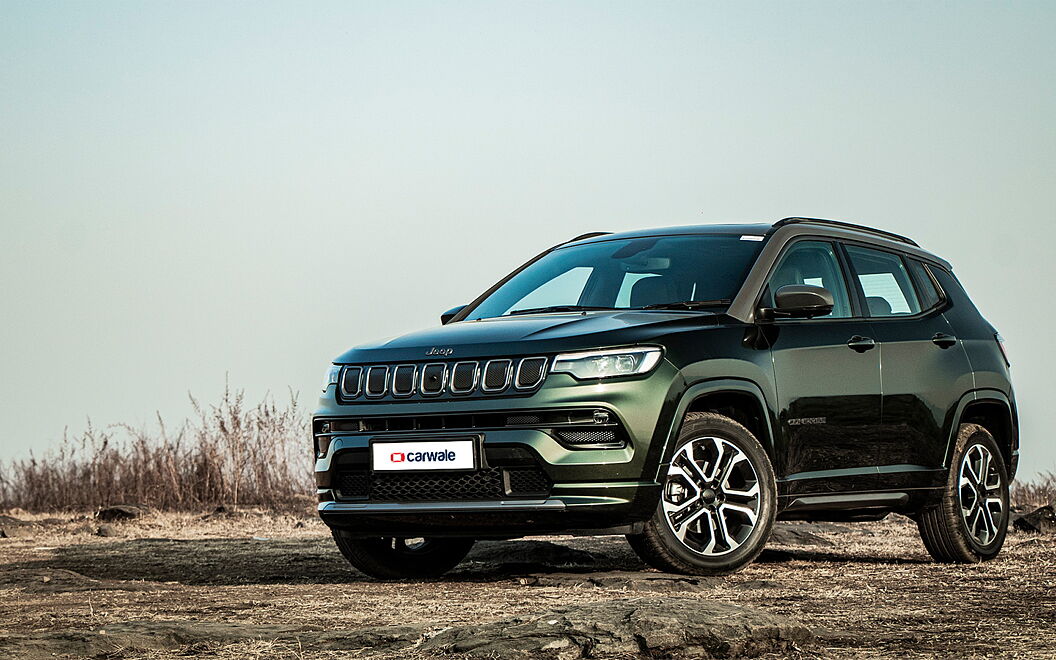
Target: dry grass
[
  {"x": 1035, "y": 493},
  {"x": 230, "y": 453},
  {"x": 226, "y": 586}
]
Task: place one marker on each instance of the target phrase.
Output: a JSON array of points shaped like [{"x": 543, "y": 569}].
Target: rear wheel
[
  {"x": 398, "y": 558},
  {"x": 718, "y": 501},
  {"x": 969, "y": 522}
]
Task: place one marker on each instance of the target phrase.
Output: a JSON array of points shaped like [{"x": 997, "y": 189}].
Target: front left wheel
[
  {"x": 717, "y": 504},
  {"x": 398, "y": 558}
]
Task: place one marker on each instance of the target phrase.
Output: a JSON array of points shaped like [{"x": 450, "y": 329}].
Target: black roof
[
  {"x": 798, "y": 225},
  {"x": 759, "y": 229}
]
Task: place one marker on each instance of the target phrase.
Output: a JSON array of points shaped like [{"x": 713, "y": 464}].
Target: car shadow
[{"x": 227, "y": 561}]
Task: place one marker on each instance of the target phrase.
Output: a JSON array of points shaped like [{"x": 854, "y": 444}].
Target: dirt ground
[{"x": 249, "y": 584}]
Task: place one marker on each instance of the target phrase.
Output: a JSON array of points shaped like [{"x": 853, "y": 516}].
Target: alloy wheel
[
  {"x": 979, "y": 492},
  {"x": 711, "y": 496}
]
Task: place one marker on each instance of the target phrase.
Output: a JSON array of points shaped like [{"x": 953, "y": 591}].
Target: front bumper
[
  {"x": 617, "y": 512},
  {"x": 591, "y": 489}
]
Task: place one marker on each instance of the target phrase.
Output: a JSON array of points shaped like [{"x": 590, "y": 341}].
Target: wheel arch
[
  {"x": 741, "y": 400},
  {"x": 992, "y": 410}
]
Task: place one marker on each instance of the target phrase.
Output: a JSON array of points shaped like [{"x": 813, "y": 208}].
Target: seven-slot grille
[{"x": 437, "y": 378}]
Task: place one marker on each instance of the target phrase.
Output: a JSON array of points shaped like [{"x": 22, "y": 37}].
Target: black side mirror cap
[
  {"x": 800, "y": 301},
  {"x": 446, "y": 317}
]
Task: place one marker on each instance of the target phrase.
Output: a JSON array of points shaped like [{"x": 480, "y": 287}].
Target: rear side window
[
  {"x": 885, "y": 282},
  {"x": 929, "y": 294}
]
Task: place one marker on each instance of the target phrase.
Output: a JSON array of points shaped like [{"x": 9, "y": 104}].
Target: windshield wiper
[
  {"x": 690, "y": 304},
  {"x": 557, "y": 308}
]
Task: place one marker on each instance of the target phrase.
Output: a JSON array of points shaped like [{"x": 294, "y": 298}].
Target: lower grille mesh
[
  {"x": 483, "y": 484},
  {"x": 478, "y": 485},
  {"x": 599, "y": 437}
]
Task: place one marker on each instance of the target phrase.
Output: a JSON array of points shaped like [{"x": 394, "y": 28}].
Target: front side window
[
  {"x": 632, "y": 273},
  {"x": 885, "y": 282},
  {"x": 813, "y": 263}
]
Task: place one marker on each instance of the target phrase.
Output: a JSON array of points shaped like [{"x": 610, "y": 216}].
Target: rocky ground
[{"x": 237, "y": 583}]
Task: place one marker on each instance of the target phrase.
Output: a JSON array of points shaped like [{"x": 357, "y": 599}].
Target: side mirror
[
  {"x": 446, "y": 317},
  {"x": 800, "y": 301}
]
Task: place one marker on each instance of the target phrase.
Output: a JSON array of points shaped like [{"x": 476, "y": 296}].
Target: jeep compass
[{"x": 684, "y": 387}]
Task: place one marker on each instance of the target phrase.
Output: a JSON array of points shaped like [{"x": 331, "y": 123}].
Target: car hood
[{"x": 529, "y": 335}]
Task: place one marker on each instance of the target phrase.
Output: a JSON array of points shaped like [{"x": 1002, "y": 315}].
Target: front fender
[{"x": 704, "y": 388}]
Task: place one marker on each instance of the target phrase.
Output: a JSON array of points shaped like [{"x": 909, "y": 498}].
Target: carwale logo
[
  {"x": 444, "y": 352},
  {"x": 442, "y": 456}
]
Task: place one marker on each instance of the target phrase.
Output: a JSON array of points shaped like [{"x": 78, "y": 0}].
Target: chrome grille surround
[
  {"x": 491, "y": 371},
  {"x": 369, "y": 388},
  {"x": 532, "y": 363},
  {"x": 426, "y": 370},
  {"x": 436, "y": 379},
  {"x": 351, "y": 376},
  {"x": 455, "y": 370},
  {"x": 396, "y": 376}
]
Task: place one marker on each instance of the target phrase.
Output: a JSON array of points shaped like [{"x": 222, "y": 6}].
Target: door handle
[
  {"x": 861, "y": 344},
  {"x": 943, "y": 341}
]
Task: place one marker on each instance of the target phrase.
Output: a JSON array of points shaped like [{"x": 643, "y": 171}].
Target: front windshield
[{"x": 632, "y": 273}]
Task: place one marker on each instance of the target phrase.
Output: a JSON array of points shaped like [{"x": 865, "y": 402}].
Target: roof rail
[
  {"x": 845, "y": 225},
  {"x": 590, "y": 234}
]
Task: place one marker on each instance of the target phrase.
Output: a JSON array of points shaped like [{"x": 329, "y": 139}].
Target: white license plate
[{"x": 435, "y": 455}]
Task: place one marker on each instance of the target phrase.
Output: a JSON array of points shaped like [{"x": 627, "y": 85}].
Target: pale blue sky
[{"x": 194, "y": 189}]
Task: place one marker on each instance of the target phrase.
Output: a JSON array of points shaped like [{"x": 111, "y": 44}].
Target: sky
[{"x": 194, "y": 193}]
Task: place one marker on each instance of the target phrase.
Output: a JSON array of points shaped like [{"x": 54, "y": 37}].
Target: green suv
[{"x": 684, "y": 387}]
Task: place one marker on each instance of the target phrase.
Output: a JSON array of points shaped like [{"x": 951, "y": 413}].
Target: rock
[
  {"x": 58, "y": 580},
  {"x": 12, "y": 532},
  {"x": 791, "y": 534},
  {"x": 1039, "y": 521},
  {"x": 11, "y": 528},
  {"x": 107, "y": 530},
  {"x": 654, "y": 627},
  {"x": 121, "y": 512},
  {"x": 136, "y": 639},
  {"x": 824, "y": 527},
  {"x": 233, "y": 511},
  {"x": 624, "y": 580}
]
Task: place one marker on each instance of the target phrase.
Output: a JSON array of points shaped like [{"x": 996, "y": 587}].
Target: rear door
[
  {"x": 924, "y": 367},
  {"x": 827, "y": 372}
]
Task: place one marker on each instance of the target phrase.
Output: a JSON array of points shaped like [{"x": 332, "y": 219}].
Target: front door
[{"x": 827, "y": 372}]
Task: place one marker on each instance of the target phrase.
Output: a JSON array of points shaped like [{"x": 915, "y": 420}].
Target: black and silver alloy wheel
[
  {"x": 717, "y": 503},
  {"x": 969, "y": 519},
  {"x": 711, "y": 496},
  {"x": 979, "y": 490}
]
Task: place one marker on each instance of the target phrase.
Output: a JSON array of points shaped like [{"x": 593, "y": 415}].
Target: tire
[
  {"x": 396, "y": 559},
  {"x": 969, "y": 522},
  {"x": 710, "y": 505}
]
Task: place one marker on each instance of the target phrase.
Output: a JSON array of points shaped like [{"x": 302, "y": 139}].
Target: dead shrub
[
  {"x": 228, "y": 453},
  {"x": 1032, "y": 494}
]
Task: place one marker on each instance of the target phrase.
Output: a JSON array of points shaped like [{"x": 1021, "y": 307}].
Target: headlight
[
  {"x": 332, "y": 376},
  {"x": 608, "y": 364}
]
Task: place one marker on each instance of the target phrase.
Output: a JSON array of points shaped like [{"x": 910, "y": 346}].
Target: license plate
[{"x": 432, "y": 455}]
